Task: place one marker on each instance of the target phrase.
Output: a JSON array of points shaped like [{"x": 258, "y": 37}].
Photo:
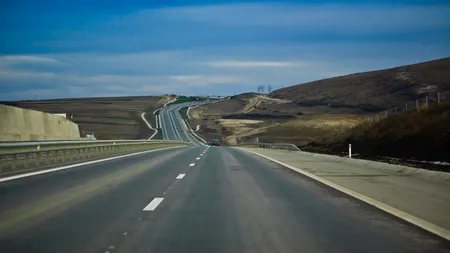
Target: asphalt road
[
  {"x": 227, "y": 201},
  {"x": 173, "y": 127}
]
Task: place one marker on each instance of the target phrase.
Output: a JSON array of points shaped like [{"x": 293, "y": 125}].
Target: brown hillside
[
  {"x": 375, "y": 90},
  {"x": 105, "y": 117}
]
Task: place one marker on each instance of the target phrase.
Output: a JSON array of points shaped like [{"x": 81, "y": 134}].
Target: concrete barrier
[{"x": 18, "y": 124}]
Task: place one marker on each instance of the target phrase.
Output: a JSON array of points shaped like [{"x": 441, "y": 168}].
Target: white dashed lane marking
[
  {"x": 191, "y": 165},
  {"x": 198, "y": 158},
  {"x": 153, "y": 204},
  {"x": 181, "y": 176}
]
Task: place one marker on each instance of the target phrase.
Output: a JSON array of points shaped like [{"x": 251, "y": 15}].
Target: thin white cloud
[
  {"x": 27, "y": 58},
  {"x": 250, "y": 64}
]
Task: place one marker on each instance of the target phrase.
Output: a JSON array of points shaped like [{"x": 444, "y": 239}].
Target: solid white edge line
[
  {"x": 153, "y": 204},
  {"x": 192, "y": 164},
  {"x": 180, "y": 176},
  {"x": 79, "y": 164},
  {"x": 149, "y": 126},
  {"x": 430, "y": 227}
]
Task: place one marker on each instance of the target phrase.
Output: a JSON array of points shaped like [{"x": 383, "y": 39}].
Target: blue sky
[{"x": 53, "y": 48}]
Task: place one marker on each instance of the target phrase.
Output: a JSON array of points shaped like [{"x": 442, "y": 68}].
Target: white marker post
[{"x": 349, "y": 150}]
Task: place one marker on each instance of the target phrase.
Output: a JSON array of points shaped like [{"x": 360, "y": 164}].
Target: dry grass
[
  {"x": 415, "y": 134},
  {"x": 324, "y": 108},
  {"x": 261, "y": 101},
  {"x": 304, "y": 129},
  {"x": 375, "y": 90}
]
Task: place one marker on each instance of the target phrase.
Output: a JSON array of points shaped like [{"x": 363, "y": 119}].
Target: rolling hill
[
  {"x": 375, "y": 90},
  {"x": 105, "y": 117},
  {"x": 309, "y": 113}
]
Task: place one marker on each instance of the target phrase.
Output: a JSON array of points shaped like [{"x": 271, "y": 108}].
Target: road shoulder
[{"x": 414, "y": 199}]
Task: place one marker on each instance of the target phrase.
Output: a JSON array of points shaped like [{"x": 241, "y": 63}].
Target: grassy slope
[
  {"x": 315, "y": 104},
  {"x": 414, "y": 134},
  {"x": 375, "y": 90},
  {"x": 151, "y": 118},
  {"x": 183, "y": 113},
  {"x": 105, "y": 117},
  {"x": 305, "y": 129}
]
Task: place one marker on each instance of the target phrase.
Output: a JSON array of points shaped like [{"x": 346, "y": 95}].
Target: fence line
[{"x": 418, "y": 103}]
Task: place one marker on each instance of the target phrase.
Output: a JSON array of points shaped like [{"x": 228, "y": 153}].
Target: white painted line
[
  {"x": 201, "y": 154},
  {"x": 149, "y": 126},
  {"x": 430, "y": 227},
  {"x": 153, "y": 205},
  {"x": 198, "y": 158},
  {"x": 79, "y": 164},
  {"x": 181, "y": 176},
  {"x": 191, "y": 165}
]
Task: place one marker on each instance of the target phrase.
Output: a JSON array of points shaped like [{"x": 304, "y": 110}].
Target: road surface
[
  {"x": 173, "y": 126},
  {"x": 193, "y": 199}
]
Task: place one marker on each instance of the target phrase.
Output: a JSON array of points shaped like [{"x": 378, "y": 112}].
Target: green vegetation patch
[
  {"x": 185, "y": 99},
  {"x": 183, "y": 113}
]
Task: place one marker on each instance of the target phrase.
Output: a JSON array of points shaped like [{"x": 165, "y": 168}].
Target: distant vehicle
[{"x": 215, "y": 142}]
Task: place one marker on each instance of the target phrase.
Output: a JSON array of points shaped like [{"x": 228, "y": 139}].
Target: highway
[
  {"x": 173, "y": 126},
  {"x": 193, "y": 199}
]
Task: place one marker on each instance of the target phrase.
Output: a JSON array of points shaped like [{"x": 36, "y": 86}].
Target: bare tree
[
  {"x": 269, "y": 89},
  {"x": 260, "y": 88}
]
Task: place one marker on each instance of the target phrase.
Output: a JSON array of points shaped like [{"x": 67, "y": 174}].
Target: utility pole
[
  {"x": 417, "y": 103},
  {"x": 406, "y": 106},
  {"x": 439, "y": 98},
  {"x": 385, "y": 113},
  {"x": 426, "y": 101}
]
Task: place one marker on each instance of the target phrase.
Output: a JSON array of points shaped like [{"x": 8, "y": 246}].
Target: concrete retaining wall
[{"x": 18, "y": 124}]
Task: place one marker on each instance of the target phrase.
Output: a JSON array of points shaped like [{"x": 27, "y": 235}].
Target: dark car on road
[{"x": 215, "y": 142}]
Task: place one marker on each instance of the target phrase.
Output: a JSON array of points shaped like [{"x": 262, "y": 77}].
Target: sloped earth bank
[{"x": 416, "y": 137}]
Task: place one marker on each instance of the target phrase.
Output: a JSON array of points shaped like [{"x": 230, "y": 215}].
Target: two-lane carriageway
[{"x": 193, "y": 199}]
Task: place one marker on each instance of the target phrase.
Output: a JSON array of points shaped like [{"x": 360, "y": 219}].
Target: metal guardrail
[
  {"x": 17, "y": 157},
  {"x": 287, "y": 146},
  {"x": 36, "y": 143}
]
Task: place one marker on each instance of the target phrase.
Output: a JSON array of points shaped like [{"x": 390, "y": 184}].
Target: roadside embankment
[
  {"x": 420, "y": 134},
  {"x": 18, "y": 124}
]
